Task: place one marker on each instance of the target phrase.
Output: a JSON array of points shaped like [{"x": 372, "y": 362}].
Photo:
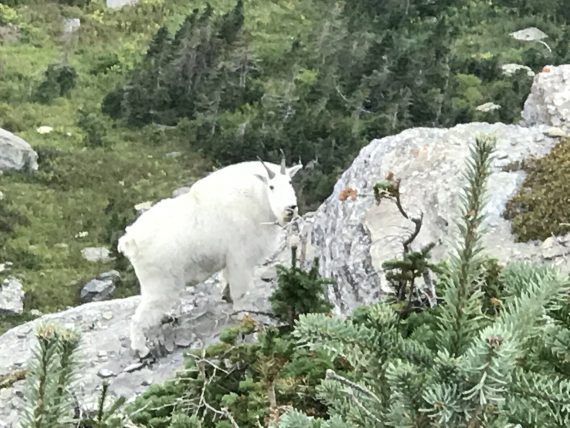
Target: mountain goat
[{"x": 227, "y": 221}]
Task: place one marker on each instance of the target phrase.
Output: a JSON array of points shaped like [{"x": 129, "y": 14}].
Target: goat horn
[
  {"x": 283, "y": 167},
  {"x": 269, "y": 172}
]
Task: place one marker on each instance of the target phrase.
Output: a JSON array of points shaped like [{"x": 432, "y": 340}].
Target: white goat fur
[{"x": 217, "y": 225}]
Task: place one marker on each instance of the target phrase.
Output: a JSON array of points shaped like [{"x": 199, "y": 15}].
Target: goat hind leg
[{"x": 158, "y": 295}]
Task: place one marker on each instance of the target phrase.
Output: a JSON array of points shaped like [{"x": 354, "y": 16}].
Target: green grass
[{"x": 76, "y": 188}]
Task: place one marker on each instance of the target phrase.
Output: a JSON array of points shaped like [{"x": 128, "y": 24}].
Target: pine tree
[{"x": 457, "y": 365}]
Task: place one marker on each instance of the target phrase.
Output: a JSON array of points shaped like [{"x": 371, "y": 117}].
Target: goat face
[{"x": 280, "y": 192}]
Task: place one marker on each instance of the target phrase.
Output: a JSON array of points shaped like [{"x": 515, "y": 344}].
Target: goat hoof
[
  {"x": 172, "y": 320},
  {"x": 226, "y": 296}
]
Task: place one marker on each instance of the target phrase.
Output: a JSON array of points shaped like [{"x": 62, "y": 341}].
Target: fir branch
[
  {"x": 491, "y": 359},
  {"x": 544, "y": 397},
  {"x": 461, "y": 313}
]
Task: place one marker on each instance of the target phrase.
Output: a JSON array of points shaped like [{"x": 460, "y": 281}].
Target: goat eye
[
  {"x": 290, "y": 182},
  {"x": 271, "y": 187}
]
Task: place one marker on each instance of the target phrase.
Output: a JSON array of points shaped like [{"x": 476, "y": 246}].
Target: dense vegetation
[
  {"x": 147, "y": 98},
  {"x": 541, "y": 207}
]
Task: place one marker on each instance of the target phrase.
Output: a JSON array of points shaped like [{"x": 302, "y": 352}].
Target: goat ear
[
  {"x": 262, "y": 178},
  {"x": 294, "y": 170}
]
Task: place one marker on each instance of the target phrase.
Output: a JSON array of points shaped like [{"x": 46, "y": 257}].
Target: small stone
[
  {"x": 133, "y": 367},
  {"x": 1, "y": 196},
  {"x": 71, "y": 25},
  {"x": 183, "y": 342},
  {"x": 36, "y": 313},
  {"x": 82, "y": 234},
  {"x": 44, "y": 129},
  {"x": 96, "y": 254},
  {"x": 552, "y": 248},
  {"x": 100, "y": 288},
  {"x": 556, "y": 132},
  {"x": 147, "y": 382},
  {"x": 107, "y": 315},
  {"x": 105, "y": 373},
  {"x": 61, "y": 245},
  {"x": 102, "y": 354},
  {"x": 5, "y": 394},
  {"x": 173, "y": 155},
  {"x": 23, "y": 333},
  {"x": 11, "y": 297},
  {"x": 143, "y": 206}
]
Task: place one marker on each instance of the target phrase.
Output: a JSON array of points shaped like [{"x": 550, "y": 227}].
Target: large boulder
[
  {"x": 549, "y": 99},
  {"x": 15, "y": 153},
  {"x": 352, "y": 239}
]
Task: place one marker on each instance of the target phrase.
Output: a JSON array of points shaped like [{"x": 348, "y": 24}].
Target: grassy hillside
[{"x": 346, "y": 78}]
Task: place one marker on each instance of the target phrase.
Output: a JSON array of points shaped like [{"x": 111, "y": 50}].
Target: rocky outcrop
[
  {"x": 15, "y": 153},
  {"x": 549, "y": 100},
  {"x": 354, "y": 238}
]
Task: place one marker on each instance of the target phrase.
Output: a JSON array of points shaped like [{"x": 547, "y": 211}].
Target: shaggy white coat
[{"x": 220, "y": 224}]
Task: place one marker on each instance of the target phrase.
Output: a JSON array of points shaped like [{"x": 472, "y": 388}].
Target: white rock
[
  {"x": 118, "y": 4},
  {"x": 15, "y": 153},
  {"x": 143, "y": 206},
  {"x": 487, "y": 107},
  {"x": 11, "y": 297},
  {"x": 96, "y": 254},
  {"x": 510, "y": 69},
  {"x": 529, "y": 34},
  {"x": 44, "y": 129},
  {"x": 549, "y": 99}
]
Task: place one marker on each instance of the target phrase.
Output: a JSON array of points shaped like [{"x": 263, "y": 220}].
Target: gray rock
[
  {"x": 96, "y": 254},
  {"x": 354, "y": 238},
  {"x": 11, "y": 297},
  {"x": 105, "y": 373},
  {"x": 100, "y": 288},
  {"x": 71, "y": 25},
  {"x": 549, "y": 99},
  {"x": 554, "y": 247},
  {"x": 118, "y": 4},
  {"x": 15, "y": 153}
]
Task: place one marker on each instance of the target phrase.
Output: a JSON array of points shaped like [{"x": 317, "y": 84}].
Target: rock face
[
  {"x": 354, "y": 238},
  {"x": 11, "y": 297},
  {"x": 100, "y": 288},
  {"x": 549, "y": 100},
  {"x": 15, "y": 153}
]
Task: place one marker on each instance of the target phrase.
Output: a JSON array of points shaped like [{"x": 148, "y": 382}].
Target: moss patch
[{"x": 542, "y": 205}]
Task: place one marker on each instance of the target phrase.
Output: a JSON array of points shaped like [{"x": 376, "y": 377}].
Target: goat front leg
[{"x": 240, "y": 280}]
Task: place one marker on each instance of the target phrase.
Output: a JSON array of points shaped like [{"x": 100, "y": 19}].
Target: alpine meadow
[{"x": 419, "y": 270}]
